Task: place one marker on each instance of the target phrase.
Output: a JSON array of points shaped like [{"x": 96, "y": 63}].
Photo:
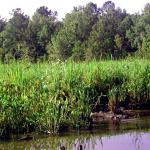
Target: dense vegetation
[
  {"x": 87, "y": 32},
  {"x": 51, "y": 96}
]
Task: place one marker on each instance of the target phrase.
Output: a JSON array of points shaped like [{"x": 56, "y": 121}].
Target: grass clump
[{"x": 43, "y": 96}]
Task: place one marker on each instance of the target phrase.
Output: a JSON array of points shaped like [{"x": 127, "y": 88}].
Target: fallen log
[{"x": 99, "y": 117}]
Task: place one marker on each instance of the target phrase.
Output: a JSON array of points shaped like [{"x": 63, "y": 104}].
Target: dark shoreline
[{"x": 134, "y": 115}]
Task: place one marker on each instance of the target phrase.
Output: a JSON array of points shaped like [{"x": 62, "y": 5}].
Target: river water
[{"x": 132, "y": 134}]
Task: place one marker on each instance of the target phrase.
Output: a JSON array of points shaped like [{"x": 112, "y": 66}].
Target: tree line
[{"x": 88, "y": 32}]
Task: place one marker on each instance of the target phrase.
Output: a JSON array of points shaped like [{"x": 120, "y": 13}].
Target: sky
[{"x": 64, "y": 6}]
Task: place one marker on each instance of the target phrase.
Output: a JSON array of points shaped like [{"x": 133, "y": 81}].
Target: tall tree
[
  {"x": 145, "y": 33},
  {"x": 102, "y": 38},
  {"x": 41, "y": 28},
  {"x": 2, "y": 28},
  {"x": 75, "y": 32},
  {"x": 14, "y": 35},
  {"x": 2, "y": 24},
  {"x": 139, "y": 34}
]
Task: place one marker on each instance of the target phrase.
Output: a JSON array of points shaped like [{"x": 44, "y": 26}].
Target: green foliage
[
  {"x": 78, "y": 51},
  {"x": 118, "y": 41},
  {"x": 41, "y": 28},
  {"x": 75, "y": 31},
  {"x": 102, "y": 41},
  {"x": 13, "y": 37},
  {"x": 2, "y": 24},
  {"x": 88, "y": 32},
  {"x": 139, "y": 33},
  {"x": 53, "y": 96}
]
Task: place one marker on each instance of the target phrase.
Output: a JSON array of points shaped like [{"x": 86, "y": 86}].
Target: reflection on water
[{"x": 130, "y": 135}]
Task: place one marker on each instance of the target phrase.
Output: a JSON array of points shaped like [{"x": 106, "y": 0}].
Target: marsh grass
[{"x": 46, "y": 96}]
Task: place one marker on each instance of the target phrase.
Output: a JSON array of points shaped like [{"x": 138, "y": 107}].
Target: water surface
[{"x": 133, "y": 134}]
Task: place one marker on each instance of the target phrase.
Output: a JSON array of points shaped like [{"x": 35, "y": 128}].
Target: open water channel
[{"x": 132, "y": 134}]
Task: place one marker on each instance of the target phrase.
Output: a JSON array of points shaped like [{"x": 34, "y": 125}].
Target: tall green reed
[{"x": 48, "y": 95}]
